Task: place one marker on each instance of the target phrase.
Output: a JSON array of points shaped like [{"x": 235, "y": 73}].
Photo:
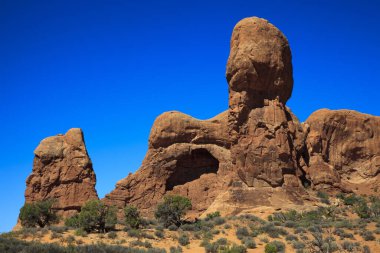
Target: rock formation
[
  {"x": 186, "y": 156},
  {"x": 254, "y": 154},
  {"x": 256, "y": 143},
  {"x": 62, "y": 170},
  {"x": 344, "y": 149}
]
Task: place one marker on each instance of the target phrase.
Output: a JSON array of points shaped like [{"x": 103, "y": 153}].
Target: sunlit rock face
[{"x": 62, "y": 170}]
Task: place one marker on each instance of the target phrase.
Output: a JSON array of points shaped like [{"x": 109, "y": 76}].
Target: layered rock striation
[{"x": 62, "y": 170}]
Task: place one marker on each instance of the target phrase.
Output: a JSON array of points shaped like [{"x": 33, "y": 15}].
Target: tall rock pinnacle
[{"x": 62, "y": 170}]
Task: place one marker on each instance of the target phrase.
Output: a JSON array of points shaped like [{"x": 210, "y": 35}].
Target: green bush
[
  {"x": 275, "y": 247},
  {"x": 362, "y": 209},
  {"x": 80, "y": 232},
  {"x": 177, "y": 249},
  {"x": 134, "y": 233},
  {"x": 38, "y": 213},
  {"x": 213, "y": 215},
  {"x": 249, "y": 243},
  {"x": 132, "y": 216},
  {"x": 183, "y": 240},
  {"x": 172, "y": 210},
  {"x": 94, "y": 216},
  {"x": 159, "y": 234},
  {"x": 242, "y": 232}
]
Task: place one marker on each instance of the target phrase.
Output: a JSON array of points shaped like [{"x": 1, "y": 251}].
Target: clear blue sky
[{"x": 110, "y": 67}]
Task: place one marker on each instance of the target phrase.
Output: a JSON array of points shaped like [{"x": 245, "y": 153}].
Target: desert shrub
[
  {"x": 299, "y": 230},
  {"x": 38, "y": 213},
  {"x": 80, "y": 232},
  {"x": 147, "y": 236},
  {"x": 235, "y": 249},
  {"x": 219, "y": 221},
  {"x": 134, "y": 233},
  {"x": 242, "y": 232},
  {"x": 159, "y": 234},
  {"x": 249, "y": 243},
  {"x": 227, "y": 226},
  {"x": 367, "y": 235},
  {"x": 375, "y": 206},
  {"x": 190, "y": 227},
  {"x": 112, "y": 235},
  {"x": 183, "y": 240},
  {"x": 96, "y": 216},
  {"x": 16, "y": 246},
  {"x": 219, "y": 248},
  {"x": 349, "y": 246},
  {"x": 275, "y": 247},
  {"x": 58, "y": 229},
  {"x": 70, "y": 239},
  {"x": 55, "y": 235},
  {"x": 272, "y": 230},
  {"x": 138, "y": 243},
  {"x": 290, "y": 224},
  {"x": 298, "y": 245},
  {"x": 177, "y": 249},
  {"x": 291, "y": 238},
  {"x": 290, "y": 215},
  {"x": 173, "y": 227},
  {"x": 132, "y": 216},
  {"x": 323, "y": 244},
  {"x": 351, "y": 199},
  {"x": 73, "y": 221},
  {"x": 172, "y": 210},
  {"x": 366, "y": 249},
  {"x": 213, "y": 215},
  {"x": 361, "y": 209}
]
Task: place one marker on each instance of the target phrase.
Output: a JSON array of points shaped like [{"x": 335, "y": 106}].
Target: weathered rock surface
[
  {"x": 256, "y": 143},
  {"x": 268, "y": 140},
  {"x": 62, "y": 170},
  {"x": 254, "y": 154},
  {"x": 344, "y": 149},
  {"x": 186, "y": 156}
]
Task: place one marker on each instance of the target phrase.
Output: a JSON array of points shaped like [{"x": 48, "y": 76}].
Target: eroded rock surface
[
  {"x": 254, "y": 154},
  {"x": 256, "y": 143},
  {"x": 62, "y": 170},
  {"x": 344, "y": 148},
  {"x": 186, "y": 156}
]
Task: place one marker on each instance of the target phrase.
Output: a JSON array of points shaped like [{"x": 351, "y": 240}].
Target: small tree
[
  {"x": 172, "y": 210},
  {"x": 132, "y": 216},
  {"x": 38, "y": 213},
  {"x": 94, "y": 216}
]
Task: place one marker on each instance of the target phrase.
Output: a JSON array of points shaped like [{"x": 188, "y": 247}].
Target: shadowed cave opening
[{"x": 190, "y": 167}]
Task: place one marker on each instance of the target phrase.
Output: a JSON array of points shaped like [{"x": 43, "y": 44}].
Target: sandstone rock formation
[
  {"x": 186, "y": 156},
  {"x": 344, "y": 149},
  {"x": 254, "y": 154},
  {"x": 256, "y": 143},
  {"x": 62, "y": 170},
  {"x": 268, "y": 140}
]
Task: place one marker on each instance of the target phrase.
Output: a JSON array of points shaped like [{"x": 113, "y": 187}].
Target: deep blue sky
[{"x": 110, "y": 67}]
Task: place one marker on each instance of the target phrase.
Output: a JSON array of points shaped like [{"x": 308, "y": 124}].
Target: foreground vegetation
[{"x": 352, "y": 225}]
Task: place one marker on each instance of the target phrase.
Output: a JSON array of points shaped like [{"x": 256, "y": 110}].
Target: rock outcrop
[
  {"x": 254, "y": 154},
  {"x": 344, "y": 149},
  {"x": 62, "y": 170},
  {"x": 268, "y": 140},
  {"x": 186, "y": 156},
  {"x": 225, "y": 161}
]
